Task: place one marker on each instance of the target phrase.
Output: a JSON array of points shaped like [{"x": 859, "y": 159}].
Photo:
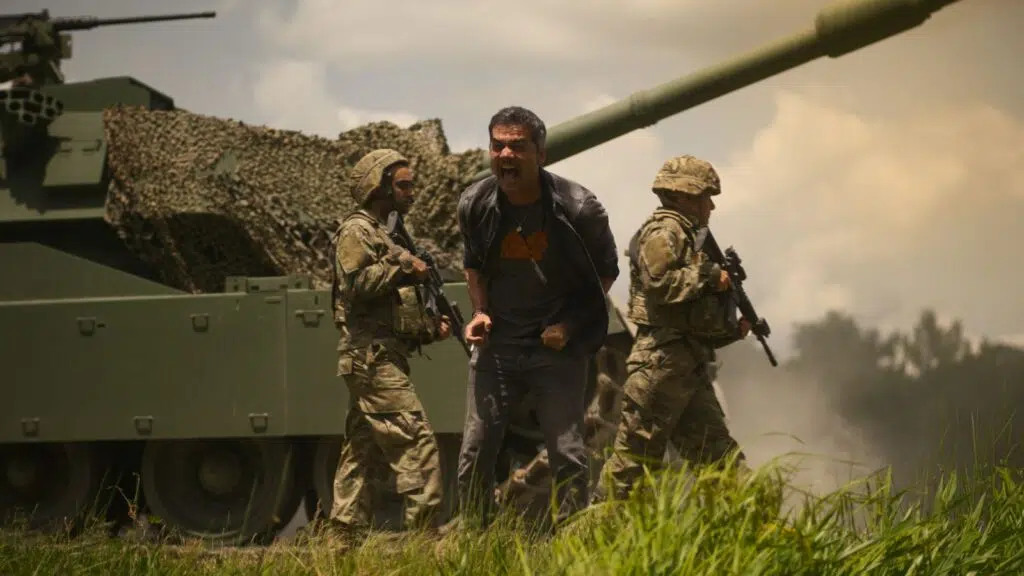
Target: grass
[{"x": 708, "y": 522}]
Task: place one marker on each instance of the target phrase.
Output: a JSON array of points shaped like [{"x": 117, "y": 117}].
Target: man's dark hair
[{"x": 519, "y": 116}]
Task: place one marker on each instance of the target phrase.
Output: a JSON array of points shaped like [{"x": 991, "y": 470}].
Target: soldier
[
  {"x": 377, "y": 311},
  {"x": 677, "y": 300}
]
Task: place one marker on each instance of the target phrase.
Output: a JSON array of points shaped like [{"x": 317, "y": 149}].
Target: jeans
[{"x": 499, "y": 378}]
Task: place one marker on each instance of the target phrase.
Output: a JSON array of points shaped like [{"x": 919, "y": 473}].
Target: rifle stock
[
  {"x": 730, "y": 262},
  {"x": 437, "y": 301}
]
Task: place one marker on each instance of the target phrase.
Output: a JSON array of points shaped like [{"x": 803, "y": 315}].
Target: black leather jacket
[{"x": 584, "y": 235}]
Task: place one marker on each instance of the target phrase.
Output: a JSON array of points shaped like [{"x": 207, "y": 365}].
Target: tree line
[{"x": 925, "y": 400}]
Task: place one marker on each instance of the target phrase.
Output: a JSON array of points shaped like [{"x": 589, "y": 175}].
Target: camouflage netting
[{"x": 200, "y": 198}]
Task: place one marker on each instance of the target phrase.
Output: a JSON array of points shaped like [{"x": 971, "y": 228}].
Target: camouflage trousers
[
  {"x": 385, "y": 425},
  {"x": 667, "y": 397}
]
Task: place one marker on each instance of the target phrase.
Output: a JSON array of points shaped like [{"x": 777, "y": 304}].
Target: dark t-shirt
[{"x": 520, "y": 302}]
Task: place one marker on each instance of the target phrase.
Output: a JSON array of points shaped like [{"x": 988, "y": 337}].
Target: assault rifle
[
  {"x": 437, "y": 302},
  {"x": 731, "y": 263}
]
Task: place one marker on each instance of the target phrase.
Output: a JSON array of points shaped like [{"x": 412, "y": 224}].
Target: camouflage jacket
[
  {"x": 671, "y": 284},
  {"x": 372, "y": 286}
]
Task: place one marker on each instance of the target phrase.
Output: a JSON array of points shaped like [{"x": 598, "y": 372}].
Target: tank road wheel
[
  {"x": 223, "y": 491},
  {"x": 51, "y": 487}
]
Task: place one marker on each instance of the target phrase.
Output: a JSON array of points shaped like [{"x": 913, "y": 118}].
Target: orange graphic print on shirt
[{"x": 514, "y": 248}]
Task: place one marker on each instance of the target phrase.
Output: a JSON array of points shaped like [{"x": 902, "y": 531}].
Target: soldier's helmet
[
  {"x": 688, "y": 175},
  {"x": 368, "y": 172}
]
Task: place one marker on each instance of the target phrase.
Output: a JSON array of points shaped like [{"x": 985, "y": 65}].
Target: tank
[{"x": 165, "y": 306}]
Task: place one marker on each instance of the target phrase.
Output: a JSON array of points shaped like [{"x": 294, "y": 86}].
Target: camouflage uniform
[
  {"x": 668, "y": 395},
  {"x": 378, "y": 314}
]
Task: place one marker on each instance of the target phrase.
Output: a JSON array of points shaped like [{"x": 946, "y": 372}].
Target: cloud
[
  {"x": 350, "y": 117},
  {"x": 223, "y": 7},
  {"x": 599, "y": 37},
  {"x": 881, "y": 218},
  {"x": 294, "y": 94},
  {"x": 566, "y": 31},
  {"x": 453, "y": 29}
]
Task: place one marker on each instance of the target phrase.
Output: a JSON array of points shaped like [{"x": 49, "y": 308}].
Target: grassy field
[{"x": 711, "y": 524}]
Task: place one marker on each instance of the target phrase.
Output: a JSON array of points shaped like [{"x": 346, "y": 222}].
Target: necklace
[
  {"x": 519, "y": 227},
  {"x": 528, "y": 209}
]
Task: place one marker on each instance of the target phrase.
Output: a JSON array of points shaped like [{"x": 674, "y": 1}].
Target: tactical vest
[
  {"x": 708, "y": 318},
  {"x": 401, "y": 314}
]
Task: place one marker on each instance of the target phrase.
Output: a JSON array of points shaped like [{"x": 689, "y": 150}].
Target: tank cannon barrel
[
  {"x": 840, "y": 28},
  {"x": 89, "y": 22}
]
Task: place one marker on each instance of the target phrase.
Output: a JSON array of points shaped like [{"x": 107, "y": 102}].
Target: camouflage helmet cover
[
  {"x": 688, "y": 175},
  {"x": 369, "y": 171}
]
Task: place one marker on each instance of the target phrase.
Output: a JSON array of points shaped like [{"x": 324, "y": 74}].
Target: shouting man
[
  {"x": 380, "y": 319},
  {"x": 678, "y": 301},
  {"x": 539, "y": 259}
]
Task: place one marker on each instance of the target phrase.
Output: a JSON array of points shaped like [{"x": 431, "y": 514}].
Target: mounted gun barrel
[{"x": 89, "y": 22}]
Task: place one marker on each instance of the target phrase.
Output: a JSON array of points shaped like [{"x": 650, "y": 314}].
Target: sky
[{"x": 861, "y": 183}]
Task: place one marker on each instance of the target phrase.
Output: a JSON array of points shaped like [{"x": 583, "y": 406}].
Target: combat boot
[
  {"x": 451, "y": 526},
  {"x": 331, "y": 531},
  {"x": 346, "y": 535}
]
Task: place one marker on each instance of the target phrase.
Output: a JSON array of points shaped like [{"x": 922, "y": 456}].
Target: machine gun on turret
[{"x": 33, "y": 44}]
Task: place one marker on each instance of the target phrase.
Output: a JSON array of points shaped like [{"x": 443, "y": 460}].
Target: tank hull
[{"x": 125, "y": 379}]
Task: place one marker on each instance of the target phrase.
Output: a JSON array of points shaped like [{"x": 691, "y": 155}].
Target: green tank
[{"x": 165, "y": 313}]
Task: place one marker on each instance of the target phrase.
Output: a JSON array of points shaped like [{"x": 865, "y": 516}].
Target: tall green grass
[{"x": 679, "y": 522}]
